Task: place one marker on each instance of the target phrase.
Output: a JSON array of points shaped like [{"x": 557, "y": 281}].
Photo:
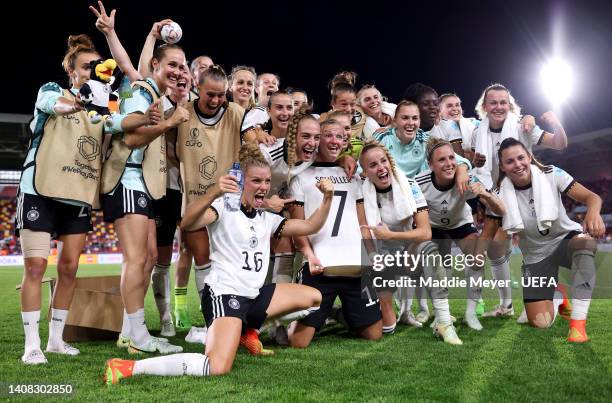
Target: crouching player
[
  {"x": 234, "y": 296},
  {"x": 548, "y": 238}
]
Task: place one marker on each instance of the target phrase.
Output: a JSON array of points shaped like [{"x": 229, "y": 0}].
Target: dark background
[{"x": 459, "y": 46}]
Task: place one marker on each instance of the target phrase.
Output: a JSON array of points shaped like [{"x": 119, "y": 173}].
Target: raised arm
[
  {"x": 302, "y": 243},
  {"x": 198, "y": 214},
  {"x": 558, "y": 138},
  {"x": 106, "y": 24},
  {"x": 144, "y": 63},
  {"x": 311, "y": 225}
]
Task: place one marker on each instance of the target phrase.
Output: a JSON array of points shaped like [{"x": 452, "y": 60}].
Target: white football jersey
[
  {"x": 447, "y": 208},
  {"x": 384, "y": 198},
  {"x": 528, "y": 140},
  {"x": 258, "y": 116},
  {"x": 338, "y": 243},
  {"x": 276, "y": 156},
  {"x": 535, "y": 245},
  {"x": 240, "y": 249}
]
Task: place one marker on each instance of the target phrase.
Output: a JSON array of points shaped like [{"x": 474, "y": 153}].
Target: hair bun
[{"x": 80, "y": 40}]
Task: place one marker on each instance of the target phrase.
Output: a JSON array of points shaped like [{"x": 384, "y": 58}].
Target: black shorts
[
  {"x": 39, "y": 213},
  {"x": 252, "y": 312},
  {"x": 126, "y": 201},
  {"x": 455, "y": 233},
  {"x": 167, "y": 212},
  {"x": 474, "y": 204},
  {"x": 360, "y": 307},
  {"x": 537, "y": 277}
]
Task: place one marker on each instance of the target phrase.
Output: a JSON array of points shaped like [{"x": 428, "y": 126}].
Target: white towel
[
  {"x": 484, "y": 144},
  {"x": 545, "y": 200},
  {"x": 466, "y": 126},
  {"x": 404, "y": 203}
]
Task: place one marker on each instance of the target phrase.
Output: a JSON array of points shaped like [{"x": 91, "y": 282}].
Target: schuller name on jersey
[{"x": 334, "y": 179}]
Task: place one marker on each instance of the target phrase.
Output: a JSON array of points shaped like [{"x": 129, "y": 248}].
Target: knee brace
[
  {"x": 35, "y": 243},
  {"x": 282, "y": 271}
]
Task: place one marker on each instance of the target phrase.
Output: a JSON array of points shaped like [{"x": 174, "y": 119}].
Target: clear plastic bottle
[{"x": 232, "y": 200}]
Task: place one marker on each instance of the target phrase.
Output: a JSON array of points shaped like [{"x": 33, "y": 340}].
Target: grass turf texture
[{"x": 504, "y": 362}]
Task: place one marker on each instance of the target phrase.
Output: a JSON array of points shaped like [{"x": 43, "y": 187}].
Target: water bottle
[{"x": 232, "y": 200}]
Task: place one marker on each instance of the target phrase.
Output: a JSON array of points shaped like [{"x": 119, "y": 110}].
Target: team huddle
[{"x": 416, "y": 176}]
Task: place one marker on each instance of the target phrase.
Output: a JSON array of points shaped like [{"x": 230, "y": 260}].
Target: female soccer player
[
  {"x": 379, "y": 112},
  {"x": 344, "y": 98},
  {"x": 548, "y": 238},
  {"x": 242, "y": 86},
  {"x": 451, "y": 217},
  {"x": 499, "y": 114},
  {"x": 334, "y": 264},
  {"x": 167, "y": 210},
  {"x": 288, "y": 157},
  {"x": 235, "y": 294},
  {"x": 406, "y": 142},
  {"x": 131, "y": 180},
  {"x": 397, "y": 211},
  {"x": 56, "y": 193}
]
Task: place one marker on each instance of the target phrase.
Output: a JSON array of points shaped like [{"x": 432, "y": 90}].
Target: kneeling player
[
  {"x": 548, "y": 238},
  {"x": 451, "y": 217},
  {"x": 333, "y": 254},
  {"x": 396, "y": 212},
  {"x": 234, "y": 296}
]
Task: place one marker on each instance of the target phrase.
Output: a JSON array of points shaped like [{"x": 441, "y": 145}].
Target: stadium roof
[
  {"x": 588, "y": 156},
  {"x": 14, "y": 135}
]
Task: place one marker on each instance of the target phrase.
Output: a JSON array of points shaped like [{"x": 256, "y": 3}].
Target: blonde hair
[
  {"x": 433, "y": 144},
  {"x": 232, "y": 77},
  {"x": 371, "y": 144},
  {"x": 480, "y": 105},
  {"x": 291, "y": 137},
  {"x": 77, "y": 44},
  {"x": 368, "y": 87},
  {"x": 250, "y": 155}
]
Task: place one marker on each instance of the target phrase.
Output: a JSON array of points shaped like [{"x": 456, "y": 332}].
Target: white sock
[
  {"x": 500, "y": 269},
  {"x": 174, "y": 365},
  {"x": 201, "y": 272},
  {"x": 406, "y": 294},
  {"x": 442, "y": 311},
  {"x": 56, "y": 327},
  {"x": 160, "y": 282},
  {"x": 470, "y": 308},
  {"x": 30, "y": 328},
  {"x": 557, "y": 300},
  {"x": 125, "y": 327},
  {"x": 421, "y": 293},
  {"x": 282, "y": 270},
  {"x": 138, "y": 328},
  {"x": 580, "y": 308},
  {"x": 389, "y": 329}
]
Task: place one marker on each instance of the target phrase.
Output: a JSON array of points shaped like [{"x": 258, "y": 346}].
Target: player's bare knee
[
  {"x": 220, "y": 367},
  {"x": 35, "y": 269},
  {"x": 542, "y": 320},
  {"x": 67, "y": 273},
  {"x": 583, "y": 242},
  {"x": 315, "y": 297},
  {"x": 372, "y": 332}
]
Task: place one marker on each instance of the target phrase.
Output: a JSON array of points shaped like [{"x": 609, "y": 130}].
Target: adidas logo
[
  {"x": 56, "y": 319},
  {"x": 444, "y": 202},
  {"x": 531, "y": 201}
]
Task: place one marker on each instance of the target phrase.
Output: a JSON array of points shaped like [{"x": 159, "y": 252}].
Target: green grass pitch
[{"x": 504, "y": 362}]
